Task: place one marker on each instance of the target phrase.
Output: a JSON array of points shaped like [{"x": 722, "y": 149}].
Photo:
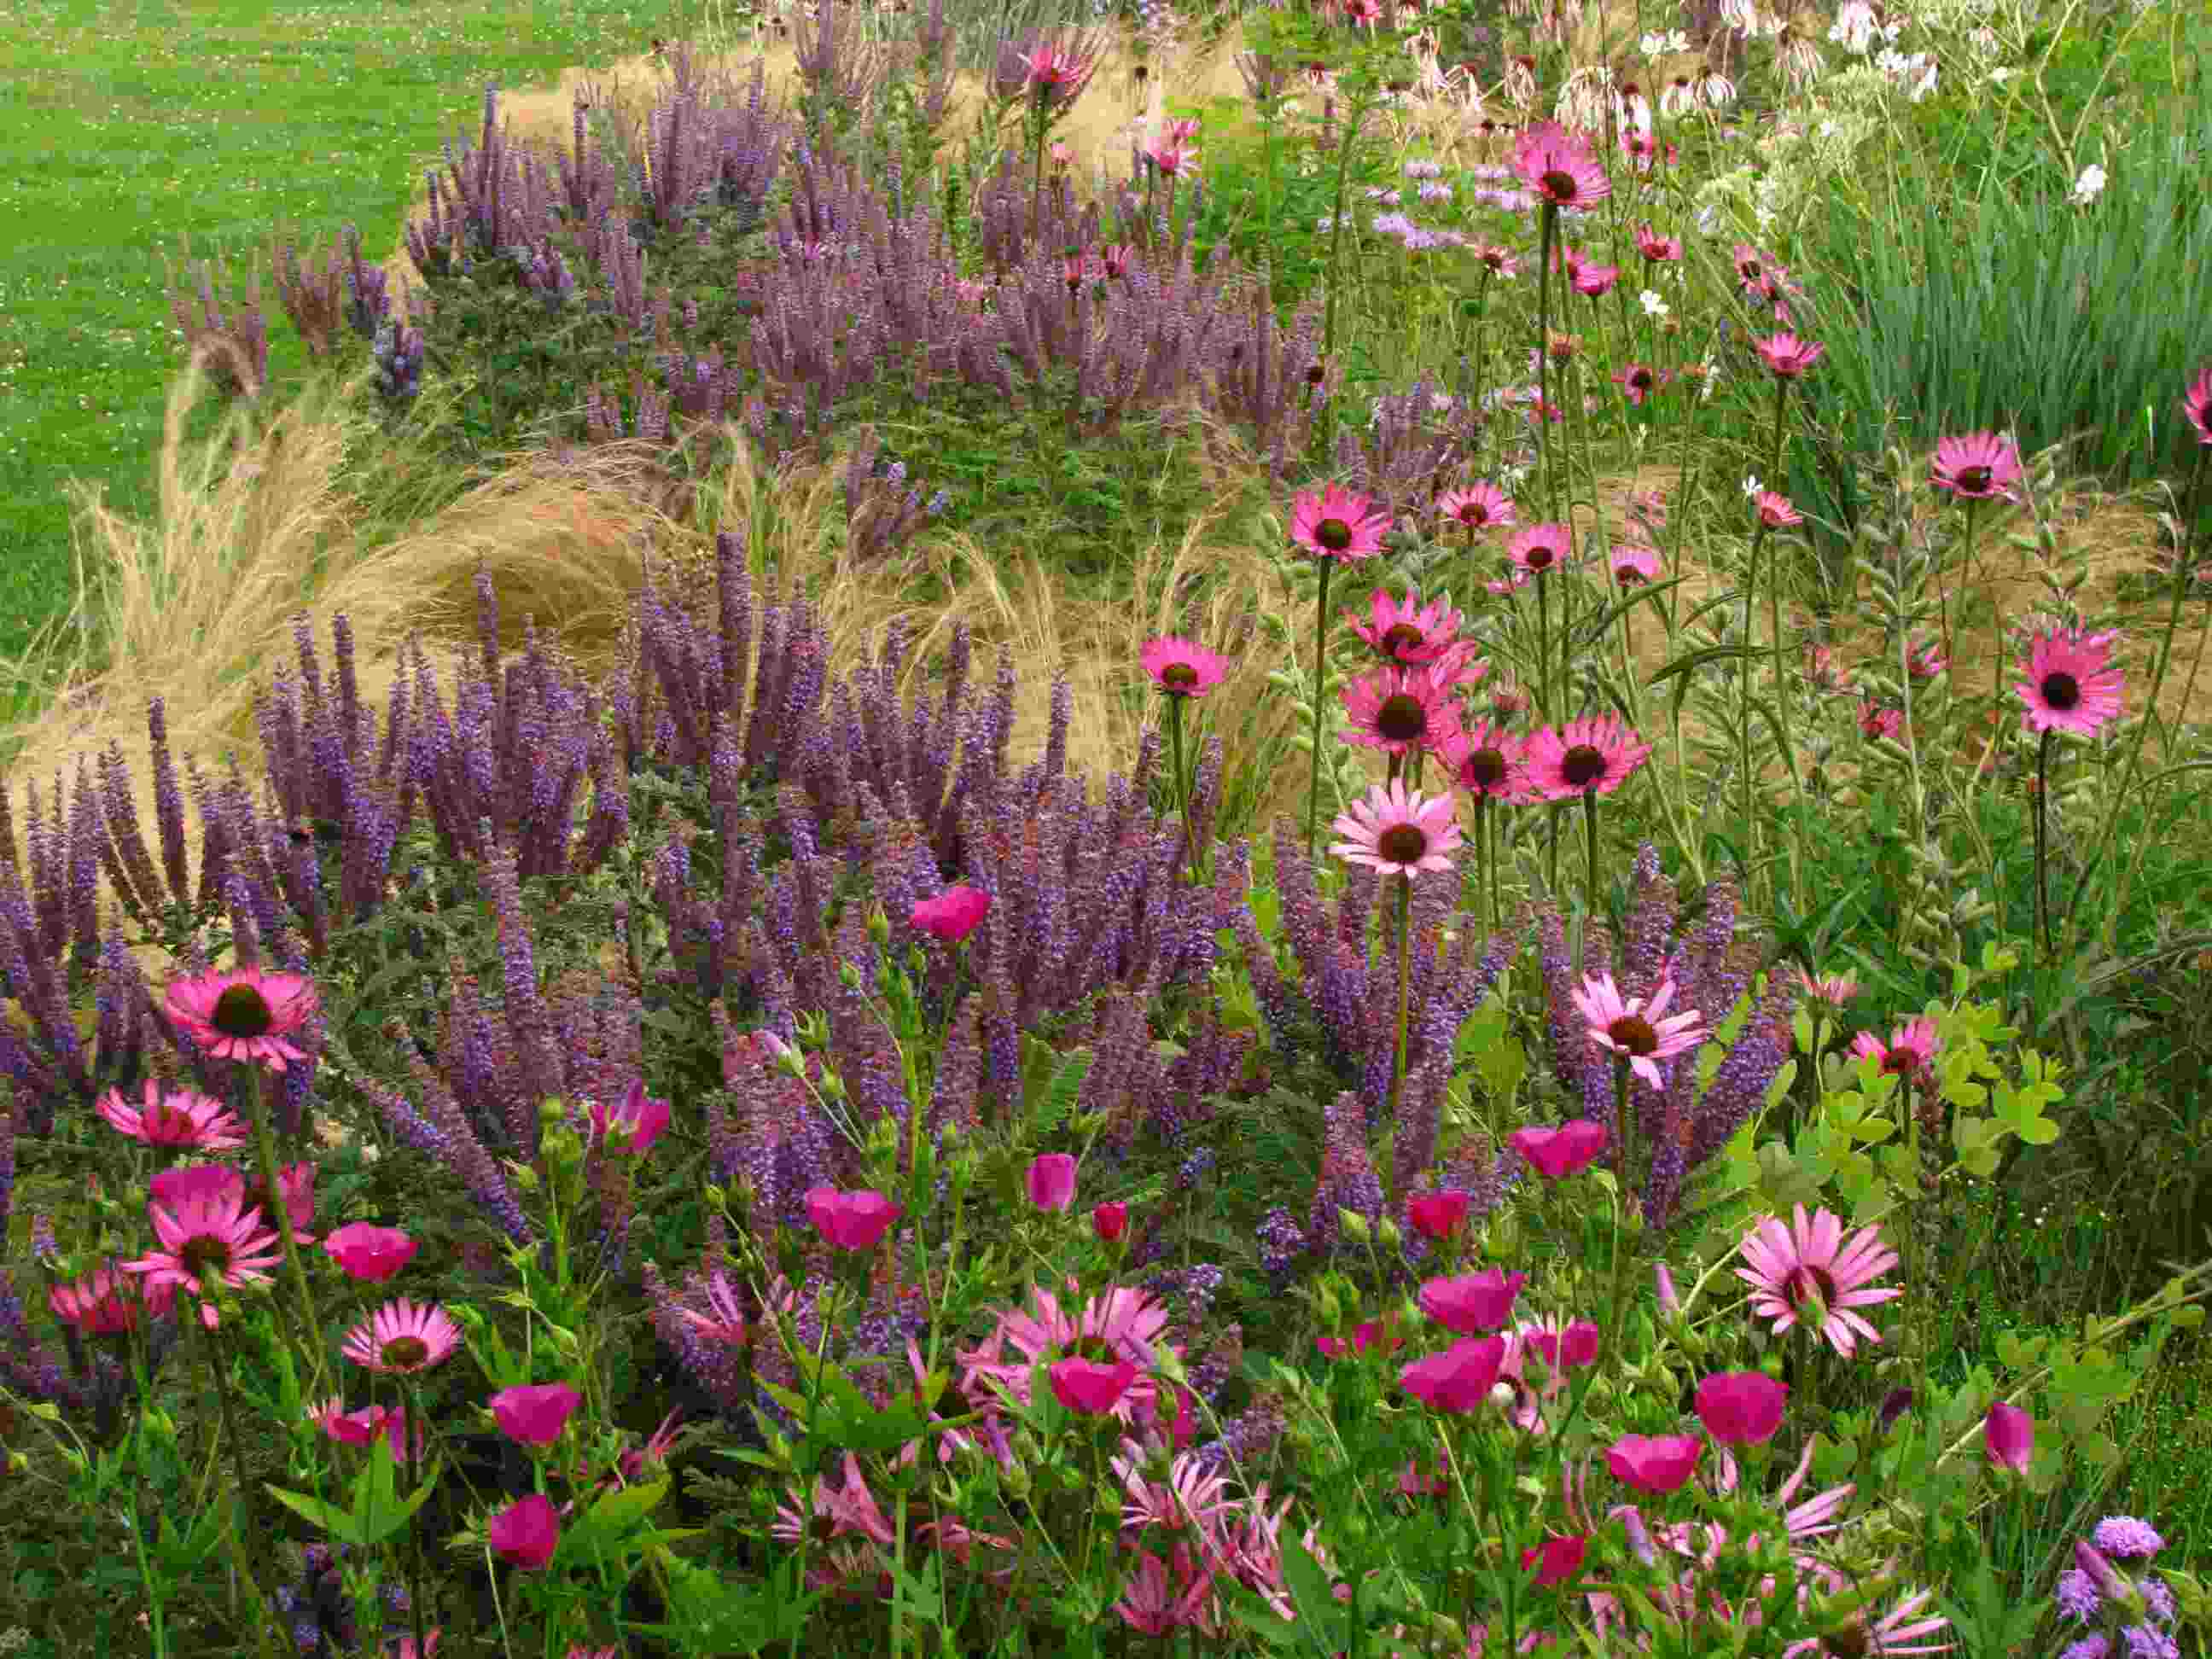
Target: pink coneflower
[
  {"x": 1120, "y": 1323},
  {"x": 1397, "y": 833},
  {"x": 105, "y": 1302},
  {"x": 1115, "y": 257},
  {"x": 174, "y": 1117},
  {"x": 1540, "y": 547},
  {"x": 1057, "y": 71},
  {"x": 1194, "y": 1497},
  {"x": 404, "y": 1337},
  {"x": 243, "y": 1013},
  {"x": 1810, "y": 1273},
  {"x": 1638, "y": 1029},
  {"x": 1479, "y": 506},
  {"x": 2072, "y": 684},
  {"x": 1172, "y": 159},
  {"x": 1182, "y": 667},
  {"x": 218, "y": 1237},
  {"x": 1655, "y": 248},
  {"x": 1595, "y": 282},
  {"x": 1887, "y": 1635},
  {"x": 1485, "y": 759},
  {"x": 1789, "y": 358},
  {"x": 1560, "y": 167},
  {"x": 1408, "y": 631},
  {"x": 2196, "y": 405},
  {"x": 1877, "y": 721},
  {"x": 1498, "y": 261},
  {"x": 1582, "y": 758},
  {"x": 1634, "y": 564},
  {"x": 1338, "y": 525},
  {"x": 1400, "y": 711},
  {"x": 1637, "y": 382},
  {"x": 1834, "y": 989},
  {"x": 1977, "y": 467},
  {"x": 1775, "y": 511},
  {"x": 723, "y": 1321},
  {"x": 1911, "y": 1050}
]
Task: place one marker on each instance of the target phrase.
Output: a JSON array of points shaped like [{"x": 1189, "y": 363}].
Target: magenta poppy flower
[
  {"x": 851, "y": 1221},
  {"x": 1557, "y": 1560},
  {"x": 1110, "y": 1221},
  {"x": 639, "y": 1116},
  {"x": 369, "y": 1253},
  {"x": 1183, "y": 668},
  {"x": 1087, "y": 1388},
  {"x": 244, "y": 1013},
  {"x": 1370, "y": 1333},
  {"x": 1473, "y": 1302},
  {"x": 1655, "y": 1463},
  {"x": 1052, "y": 1181},
  {"x": 952, "y": 914},
  {"x": 1742, "y": 1408},
  {"x": 1565, "y": 1351},
  {"x": 2196, "y": 405},
  {"x": 524, "y": 1533},
  {"x": 1559, "y": 1152},
  {"x": 361, "y": 1428},
  {"x": 2008, "y": 1437},
  {"x": 1438, "y": 1215},
  {"x": 1459, "y": 1379},
  {"x": 534, "y": 1415}
]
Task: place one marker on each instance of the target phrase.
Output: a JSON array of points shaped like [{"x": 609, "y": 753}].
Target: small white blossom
[
  {"x": 1654, "y": 306},
  {"x": 2089, "y": 186},
  {"x": 1751, "y": 486}
]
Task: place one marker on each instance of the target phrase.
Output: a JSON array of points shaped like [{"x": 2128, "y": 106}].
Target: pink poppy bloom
[
  {"x": 2072, "y": 684},
  {"x": 1976, "y": 466},
  {"x": 1582, "y": 758},
  {"x": 1088, "y": 1387},
  {"x": 1877, "y": 721},
  {"x": 1399, "y": 710},
  {"x": 1110, "y": 1221},
  {"x": 1122, "y": 1323},
  {"x": 219, "y": 1237},
  {"x": 368, "y": 1253},
  {"x": 243, "y": 1013},
  {"x": 295, "y": 1184},
  {"x": 2196, "y": 405},
  {"x": 1459, "y": 1379},
  {"x": 1789, "y": 358},
  {"x": 1775, "y": 511},
  {"x": 1438, "y": 1215},
  {"x": 1559, "y": 167},
  {"x": 1655, "y": 248},
  {"x": 1540, "y": 548},
  {"x": 1338, "y": 525},
  {"x": 1182, "y": 667},
  {"x": 105, "y": 1302},
  {"x": 952, "y": 914},
  {"x": 1911, "y": 1050},
  {"x": 1372, "y": 1333},
  {"x": 1638, "y": 1029},
  {"x": 534, "y": 1415},
  {"x": 1473, "y": 1301},
  {"x": 1052, "y": 1181},
  {"x": 174, "y": 1117},
  {"x": 851, "y": 1221},
  {"x": 2008, "y": 1437},
  {"x": 1397, "y": 833},
  {"x": 1655, "y": 1463},
  {"x": 404, "y": 1337},
  {"x": 1485, "y": 761},
  {"x": 524, "y": 1533},
  {"x": 1742, "y": 1408},
  {"x": 361, "y": 1428},
  {"x": 1566, "y": 1350},
  {"x": 1634, "y": 564},
  {"x": 641, "y": 1117},
  {"x": 1479, "y": 506},
  {"x": 1559, "y": 1152},
  {"x": 1556, "y": 1561},
  {"x": 1811, "y": 1273},
  {"x": 1407, "y": 632},
  {"x": 1637, "y": 382}
]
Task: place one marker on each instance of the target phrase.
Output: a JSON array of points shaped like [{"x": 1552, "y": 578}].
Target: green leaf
[{"x": 331, "y": 1519}]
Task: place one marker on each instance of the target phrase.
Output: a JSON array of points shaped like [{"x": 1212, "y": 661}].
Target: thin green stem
[
  {"x": 417, "y": 1566},
  {"x": 1550, "y": 219},
  {"x": 306, "y": 1333},
  {"x": 2042, "y": 844},
  {"x": 1405, "y": 991},
  {"x": 1774, "y": 627},
  {"x": 1589, "y": 834},
  {"x": 1320, "y": 689}
]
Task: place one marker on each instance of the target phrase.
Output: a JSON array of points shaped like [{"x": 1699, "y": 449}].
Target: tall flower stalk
[{"x": 1334, "y": 526}]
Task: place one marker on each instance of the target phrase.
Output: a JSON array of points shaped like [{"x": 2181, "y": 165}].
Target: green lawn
[{"x": 125, "y": 126}]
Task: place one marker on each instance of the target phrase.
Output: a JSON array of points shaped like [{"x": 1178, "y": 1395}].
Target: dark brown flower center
[
  {"x": 204, "y": 1251},
  {"x": 1474, "y": 513},
  {"x": 1974, "y": 478},
  {"x": 1485, "y": 769},
  {"x": 1559, "y": 185},
  {"x": 242, "y": 1012},
  {"x": 1178, "y": 677},
  {"x": 1539, "y": 557},
  {"x": 1900, "y": 1062},
  {"x": 1625, "y": 573},
  {"x": 1634, "y": 1033},
  {"x": 405, "y": 1351},
  {"x": 2061, "y": 691},
  {"x": 1095, "y": 1349},
  {"x": 1334, "y": 534},
  {"x": 1808, "y": 1285},
  {"x": 1401, "y": 636},
  {"x": 1640, "y": 379},
  {"x": 1749, "y": 271},
  {"x": 1582, "y": 765},
  {"x": 1401, "y": 719},
  {"x": 1403, "y": 843}
]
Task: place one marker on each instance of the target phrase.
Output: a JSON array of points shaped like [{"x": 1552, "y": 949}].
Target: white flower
[
  {"x": 1658, "y": 45},
  {"x": 1854, "y": 26},
  {"x": 2004, "y": 75},
  {"x": 1653, "y": 304},
  {"x": 1751, "y": 486},
  {"x": 2089, "y": 186}
]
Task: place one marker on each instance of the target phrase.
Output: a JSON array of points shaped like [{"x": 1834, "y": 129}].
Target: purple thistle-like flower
[
  {"x": 2124, "y": 1538},
  {"x": 2076, "y": 1594}
]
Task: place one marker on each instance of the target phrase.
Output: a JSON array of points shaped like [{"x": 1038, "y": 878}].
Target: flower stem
[
  {"x": 1405, "y": 991},
  {"x": 1320, "y": 689},
  {"x": 265, "y": 1151},
  {"x": 241, "y": 1559},
  {"x": 1774, "y": 627},
  {"x": 1543, "y": 351},
  {"x": 1589, "y": 834},
  {"x": 2042, "y": 843},
  {"x": 409, "y": 1427}
]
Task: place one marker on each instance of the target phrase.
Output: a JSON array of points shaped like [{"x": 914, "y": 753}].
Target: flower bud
[
  {"x": 1355, "y": 1226},
  {"x": 552, "y": 1114}
]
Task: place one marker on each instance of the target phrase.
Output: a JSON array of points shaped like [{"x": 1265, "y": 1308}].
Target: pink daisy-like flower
[
  {"x": 1058, "y": 70},
  {"x": 218, "y": 1237},
  {"x": 1809, "y": 1273},
  {"x": 1775, "y": 511},
  {"x": 725, "y": 1319},
  {"x": 174, "y": 1117},
  {"x": 1877, "y": 721},
  {"x": 1399, "y": 710},
  {"x": 1182, "y": 667},
  {"x": 1495, "y": 259},
  {"x": 105, "y": 1303},
  {"x": 1911, "y": 1050},
  {"x": 1834, "y": 989},
  {"x": 2196, "y": 405},
  {"x": 1924, "y": 659},
  {"x": 244, "y": 1013},
  {"x": 1121, "y": 1323},
  {"x": 1595, "y": 281},
  {"x": 1397, "y": 833},
  {"x": 1540, "y": 548},
  {"x": 1560, "y": 167},
  {"x": 1896, "y": 1631},
  {"x": 1638, "y": 1029},
  {"x": 1586, "y": 757},
  {"x": 403, "y": 1336},
  {"x": 1977, "y": 467},
  {"x": 1172, "y": 159},
  {"x": 1789, "y": 358},
  {"x": 1194, "y": 1497},
  {"x": 1655, "y": 248},
  {"x": 1338, "y": 525},
  {"x": 1634, "y": 564},
  {"x": 2072, "y": 684},
  {"x": 1638, "y": 381},
  {"x": 1479, "y": 506},
  {"x": 1405, "y": 630},
  {"x": 1485, "y": 759}
]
